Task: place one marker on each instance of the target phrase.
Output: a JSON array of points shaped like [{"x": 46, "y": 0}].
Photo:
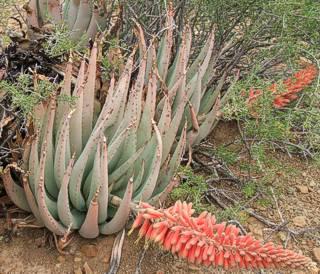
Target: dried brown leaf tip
[
  {"x": 201, "y": 240},
  {"x": 293, "y": 85}
]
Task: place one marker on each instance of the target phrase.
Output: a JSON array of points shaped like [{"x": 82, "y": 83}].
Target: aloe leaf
[
  {"x": 47, "y": 146},
  {"x": 165, "y": 118},
  {"x": 180, "y": 63},
  {"x": 93, "y": 25},
  {"x": 120, "y": 218},
  {"x": 82, "y": 22},
  {"x": 68, "y": 216},
  {"x": 63, "y": 106},
  {"x": 169, "y": 137},
  {"x": 90, "y": 228},
  {"x": 164, "y": 54},
  {"x": 167, "y": 172},
  {"x": 26, "y": 153},
  {"x": 14, "y": 191},
  {"x": 31, "y": 201},
  {"x": 71, "y": 12},
  {"x": 54, "y": 10},
  {"x": 50, "y": 222},
  {"x": 210, "y": 120},
  {"x": 144, "y": 131},
  {"x": 89, "y": 95},
  {"x": 194, "y": 131},
  {"x": 76, "y": 119},
  {"x": 32, "y": 15},
  {"x": 62, "y": 153},
  {"x": 138, "y": 179},
  {"x": 151, "y": 59},
  {"x": 96, "y": 174},
  {"x": 211, "y": 96},
  {"x": 151, "y": 174},
  {"x": 123, "y": 168},
  {"x": 203, "y": 57},
  {"x": 103, "y": 197},
  {"x": 34, "y": 163}
]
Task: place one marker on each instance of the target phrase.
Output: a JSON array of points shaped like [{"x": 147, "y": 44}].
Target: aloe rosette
[
  {"x": 81, "y": 17},
  {"x": 83, "y": 155}
]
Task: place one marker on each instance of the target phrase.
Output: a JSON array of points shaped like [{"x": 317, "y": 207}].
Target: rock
[
  {"x": 89, "y": 250},
  {"x": 87, "y": 269},
  {"x": 303, "y": 189},
  {"x": 299, "y": 221},
  {"x": 316, "y": 253},
  {"x": 77, "y": 259},
  {"x": 193, "y": 267},
  {"x": 106, "y": 259},
  {"x": 58, "y": 265},
  {"x": 304, "y": 174},
  {"x": 283, "y": 236},
  {"x": 61, "y": 259},
  {"x": 312, "y": 183},
  {"x": 77, "y": 271}
]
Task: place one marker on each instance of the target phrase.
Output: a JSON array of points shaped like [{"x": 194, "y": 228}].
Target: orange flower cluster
[
  {"x": 297, "y": 83},
  {"x": 201, "y": 240}
]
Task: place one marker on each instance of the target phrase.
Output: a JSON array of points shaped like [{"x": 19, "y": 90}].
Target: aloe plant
[
  {"x": 81, "y": 17},
  {"x": 83, "y": 156}
]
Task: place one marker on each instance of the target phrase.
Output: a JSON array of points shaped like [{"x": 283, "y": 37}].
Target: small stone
[
  {"x": 282, "y": 236},
  {"x": 193, "y": 267},
  {"x": 303, "y": 189},
  {"x": 304, "y": 174},
  {"x": 89, "y": 250},
  {"x": 77, "y": 271},
  {"x": 106, "y": 259},
  {"x": 58, "y": 265},
  {"x": 61, "y": 259},
  {"x": 77, "y": 259},
  {"x": 316, "y": 253},
  {"x": 87, "y": 269},
  {"x": 299, "y": 221},
  {"x": 312, "y": 183}
]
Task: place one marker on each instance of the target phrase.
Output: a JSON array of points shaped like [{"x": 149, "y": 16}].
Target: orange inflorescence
[
  {"x": 293, "y": 85},
  {"x": 201, "y": 240}
]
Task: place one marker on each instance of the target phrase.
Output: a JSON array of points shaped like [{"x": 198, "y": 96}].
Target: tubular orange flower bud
[{"x": 176, "y": 230}]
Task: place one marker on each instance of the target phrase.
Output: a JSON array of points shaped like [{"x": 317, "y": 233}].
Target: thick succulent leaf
[
  {"x": 54, "y": 9},
  {"x": 14, "y": 191},
  {"x": 167, "y": 171},
  {"x": 95, "y": 181},
  {"x": 32, "y": 15},
  {"x": 34, "y": 163},
  {"x": 31, "y": 201},
  {"x": 26, "y": 153},
  {"x": 151, "y": 173},
  {"x": 89, "y": 95},
  {"x": 76, "y": 119},
  {"x": 82, "y": 22},
  {"x": 202, "y": 59},
  {"x": 62, "y": 153},
  {"x": 145, "y": 127},
  {"x": 164, "y": 53},
  {"x": 165, "y": 119},
  {"x": 50, "y": 222},
  {"x": 70, "y": 218},
  {"x": 151, "y": 59},
  {"x": 120, "y": 218},
  {"x": 210, "y": 120},
  {"x": 103, "y": 197},
  {"x": 169, "y": 137},
  {"x": 90, "y": 228},
  {"x": 70, "y": 13},
  {"x": 63, "y": 106},
  {"x": 180, "y": 63},
  {"x": 138, "y": 178},
  {"x": 47, "y": 146},
  {"x": 93, "y": 25},
  {"x": 123, "y": 168}
]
